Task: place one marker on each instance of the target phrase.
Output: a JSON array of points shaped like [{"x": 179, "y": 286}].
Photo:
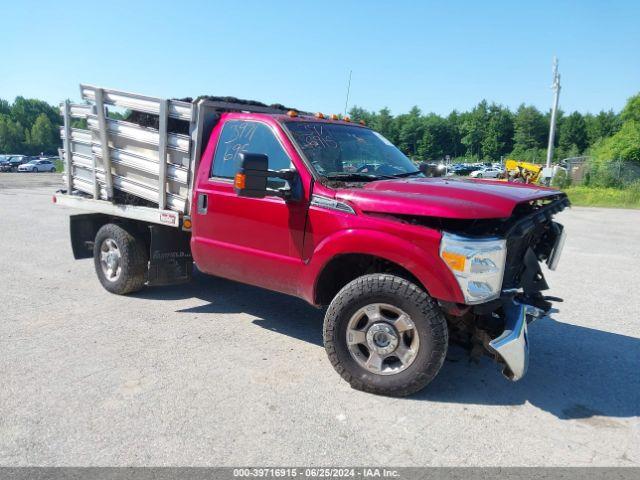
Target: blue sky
[{"x": 437, "y": 55}]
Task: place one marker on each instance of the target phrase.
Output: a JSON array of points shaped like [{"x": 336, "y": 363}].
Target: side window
[{"x": 239, "y": 136}]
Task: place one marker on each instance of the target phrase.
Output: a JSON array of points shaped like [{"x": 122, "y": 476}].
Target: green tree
[
  {"x": 625, "y": 143},
  {"x": 530, "y": 129},
  {"x": 26, "y": 110},
  {"x": 472, "y": 127},
  {"x": 385, "y": 124},
  {"x": 27, "y": 146},
  {"x": 602, "y": 125},
  {"x": 358, "y": 114},
  {"x": 436, "y": 138},
  {"x": 11, "y": 135},
  {"x": 631, "y": 111},
  {"x": 410, "y": 131},
  {"x": 498, "y": 132},
  {"x": 43, "y": 135},
  {"x": 455, "y": 147},
  {"x": 572, "y": 132},
  {"x": 5, "y": 108}
]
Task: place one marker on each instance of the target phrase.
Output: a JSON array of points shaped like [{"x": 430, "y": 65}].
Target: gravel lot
[{"x": 218, "y": 373}]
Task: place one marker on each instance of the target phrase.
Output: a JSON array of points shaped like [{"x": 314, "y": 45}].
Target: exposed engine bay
[{"x": 532, "y": 238}]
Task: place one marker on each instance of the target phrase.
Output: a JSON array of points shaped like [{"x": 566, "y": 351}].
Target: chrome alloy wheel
[
  {"x": 382, "y": 339},
  {"x": 110, "y": 259}
]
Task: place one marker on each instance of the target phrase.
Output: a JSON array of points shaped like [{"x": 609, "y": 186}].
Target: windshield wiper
[{"x": 407, "y": 174}]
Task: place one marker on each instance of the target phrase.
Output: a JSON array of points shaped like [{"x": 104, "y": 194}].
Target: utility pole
[{"x": 554, "y": 109}]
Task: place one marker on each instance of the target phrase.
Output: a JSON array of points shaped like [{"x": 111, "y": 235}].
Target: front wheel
[
  {"x": 385, "y": 335},
  {"x": 34, "y": 170}
]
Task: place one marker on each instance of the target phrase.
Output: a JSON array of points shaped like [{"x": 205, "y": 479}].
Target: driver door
[{"x": 252, "y": 240}]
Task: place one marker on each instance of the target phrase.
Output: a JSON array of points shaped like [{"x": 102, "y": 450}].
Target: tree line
[
  {"x": 488, "y": 131},
  {"x": 29, "y": 127}
]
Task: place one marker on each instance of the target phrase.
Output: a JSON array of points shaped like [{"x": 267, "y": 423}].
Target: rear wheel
[
  {"x": 120, "y": 259},
  {"x": 53, "y": 170},
  {"x": 479, "y": 175},
  {"x": 385, "y": 335}
]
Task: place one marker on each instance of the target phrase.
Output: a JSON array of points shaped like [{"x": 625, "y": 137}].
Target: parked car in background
[
  {"x": 39, "y": 165},
  {"x": 487, "y": 172},
  {"x": 13, "y": 162},
  {"x": 464, "y": 169}
]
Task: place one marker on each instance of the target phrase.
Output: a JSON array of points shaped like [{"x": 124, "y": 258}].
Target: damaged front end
[{"x": 497, "y": 325}]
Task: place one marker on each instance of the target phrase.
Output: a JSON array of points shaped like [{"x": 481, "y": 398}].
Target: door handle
[{"x": 202, "y": 203}]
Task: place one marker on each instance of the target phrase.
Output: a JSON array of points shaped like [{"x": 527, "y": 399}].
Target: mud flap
[
  {"x": 83, "y": 229},
  {"x": 170, "y": 260}
]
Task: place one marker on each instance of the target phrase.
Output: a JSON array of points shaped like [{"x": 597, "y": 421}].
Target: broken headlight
[{"x": 477, "y": 264}]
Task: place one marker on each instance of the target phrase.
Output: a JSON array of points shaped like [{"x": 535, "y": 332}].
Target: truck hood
[{"x": 443, "y": 197}]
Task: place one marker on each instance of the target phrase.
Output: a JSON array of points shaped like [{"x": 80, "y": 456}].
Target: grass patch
[
  {"x": 59, "y": 165},
  {"x": 604, "y": 197}
]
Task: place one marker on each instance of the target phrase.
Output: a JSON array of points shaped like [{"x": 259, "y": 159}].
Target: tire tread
[
  {"x": 134, "y": 258},
  {"x": 400, "y": 287}
]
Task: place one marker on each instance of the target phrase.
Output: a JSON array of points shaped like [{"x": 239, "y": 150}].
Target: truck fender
[{"x": 425, "y": 265}]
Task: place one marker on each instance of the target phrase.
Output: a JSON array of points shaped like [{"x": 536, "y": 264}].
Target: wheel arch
[
  {"x": 84, "y": 227},
  {"x": 345, "y": 267},
  {"x": 355, "y": 250}
]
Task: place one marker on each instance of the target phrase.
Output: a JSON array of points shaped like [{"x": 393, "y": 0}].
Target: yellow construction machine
[{"x": 527, "y": 172}]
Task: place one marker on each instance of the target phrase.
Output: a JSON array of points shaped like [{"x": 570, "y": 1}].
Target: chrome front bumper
[{"x": 512, "y": 347}]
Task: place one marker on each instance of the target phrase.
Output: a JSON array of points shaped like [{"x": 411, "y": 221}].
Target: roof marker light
[
  {"x": 347, "y": 119},
  {"x": 292, "y": 113},
  {"x": 319, "y": 115},
  {"x": 334, "y": 116}
]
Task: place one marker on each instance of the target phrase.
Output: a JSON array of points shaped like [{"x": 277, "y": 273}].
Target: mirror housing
[{"x": 252, "y": 178}]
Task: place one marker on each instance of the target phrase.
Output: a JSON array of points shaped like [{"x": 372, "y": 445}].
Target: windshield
[{"x": 338, "y": 150}]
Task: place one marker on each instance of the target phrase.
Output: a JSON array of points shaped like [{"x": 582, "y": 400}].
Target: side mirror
[{"x": 251, "y": 180}]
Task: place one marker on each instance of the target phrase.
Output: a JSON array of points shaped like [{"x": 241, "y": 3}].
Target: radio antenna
[{"x": 346, "y": 102}]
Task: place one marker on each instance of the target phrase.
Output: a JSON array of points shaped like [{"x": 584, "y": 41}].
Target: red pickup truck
[{"x": 319, "y": 208}]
